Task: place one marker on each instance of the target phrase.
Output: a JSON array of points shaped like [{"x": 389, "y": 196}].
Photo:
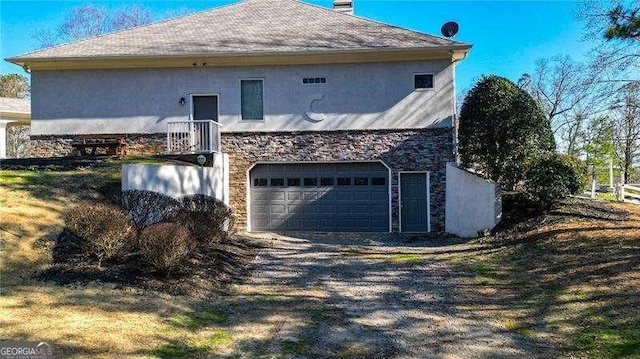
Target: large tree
[
  {"x": 560, "y": 85},
  {"x": 617, "y": 55},
  {"x": 501, "y": 128},
  {"x": 624, "y": 23},
  {"x": 626, "y": 127},
  {"x": 14, "y": 85}
]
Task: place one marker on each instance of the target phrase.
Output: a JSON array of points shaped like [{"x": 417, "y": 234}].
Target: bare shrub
[
  {"x": 105, "y": 230},
  {"x": 165, "y": 246},
  {"x": 209, "y": 220},
  {"x": 147, "y": 208}
]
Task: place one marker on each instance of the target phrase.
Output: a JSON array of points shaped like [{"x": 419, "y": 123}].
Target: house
[
  {"x": 13, "y": 112},
  {"x": 331, "y": 122}
]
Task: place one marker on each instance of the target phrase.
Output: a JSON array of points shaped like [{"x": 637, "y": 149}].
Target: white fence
[
  {"x": 629, "y": 193},
  {"x": 473, "y": 204},
  {"x": 202, "y": 136}
]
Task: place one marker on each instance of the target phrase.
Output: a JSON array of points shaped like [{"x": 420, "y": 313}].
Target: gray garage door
[{"x": 320, "y": 197}]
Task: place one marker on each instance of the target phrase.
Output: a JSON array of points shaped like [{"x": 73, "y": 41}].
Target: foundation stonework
[
  {"x": 60, "y": 146},
  {"x": 401, "y": 150}
]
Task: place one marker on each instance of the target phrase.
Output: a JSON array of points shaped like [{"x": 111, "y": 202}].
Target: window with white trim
[
  {"x": 252, "y": 99},
  {"x": 422, "y": 81}
]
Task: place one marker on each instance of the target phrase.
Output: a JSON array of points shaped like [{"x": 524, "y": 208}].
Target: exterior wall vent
[{"x": 344, "y": 6}]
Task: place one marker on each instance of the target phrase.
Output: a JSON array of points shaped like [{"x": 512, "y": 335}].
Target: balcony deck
[{"x": 192, "y": 137}]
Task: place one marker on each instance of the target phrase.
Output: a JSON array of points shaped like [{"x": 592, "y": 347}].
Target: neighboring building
[
  {"x": 332, "y": 122},
  {"x": 13, "y": 112}
]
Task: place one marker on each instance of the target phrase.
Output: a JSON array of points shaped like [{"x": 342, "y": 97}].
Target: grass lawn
[
  {"x": 96, "y": 320},
  {"x": 573, "y": 283}
]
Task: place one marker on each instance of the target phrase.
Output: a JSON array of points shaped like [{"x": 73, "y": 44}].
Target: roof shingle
[{"x": 253, "y": 26}]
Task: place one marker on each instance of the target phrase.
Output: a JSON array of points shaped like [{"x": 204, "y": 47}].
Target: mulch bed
[{"x": 205, "y": 273}]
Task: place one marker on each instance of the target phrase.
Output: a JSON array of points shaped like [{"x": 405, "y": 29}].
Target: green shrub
[
  {"x": 581, "y": 168},
  {"x": 105, "y": 230},
  {"x": 501, "y": 127},
  {"x": 551, "y": 178},
  {"x": 165, "y": 246},
  {"x": 208, "y": 219}
]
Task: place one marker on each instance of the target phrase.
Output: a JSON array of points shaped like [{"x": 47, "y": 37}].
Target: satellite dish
[{"x": 449, "y": 29}]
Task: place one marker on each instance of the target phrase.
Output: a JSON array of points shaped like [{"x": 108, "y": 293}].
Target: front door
[
  {"x": 205, "y": 107},
  {"x": 414, "y": 202}
]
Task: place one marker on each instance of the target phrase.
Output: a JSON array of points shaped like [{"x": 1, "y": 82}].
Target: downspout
[{"x": 454, "y": 60}]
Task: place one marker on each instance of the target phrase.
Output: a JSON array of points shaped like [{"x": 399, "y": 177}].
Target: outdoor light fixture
[
  {"x": 182, "y": 101},
  {"x": 201, "y": 160}
]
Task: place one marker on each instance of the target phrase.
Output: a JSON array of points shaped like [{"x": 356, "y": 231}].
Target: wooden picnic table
[{"x": 92, "y": 145}]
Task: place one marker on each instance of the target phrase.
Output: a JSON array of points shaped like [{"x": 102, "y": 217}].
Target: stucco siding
[{"x": 355, "y": 96}]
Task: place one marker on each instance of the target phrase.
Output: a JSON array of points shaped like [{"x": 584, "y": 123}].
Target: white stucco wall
[
  {"x": 355, "y": 96},
  {"x": 472, "y": 203},
  {"x": 178, "y": 181}
]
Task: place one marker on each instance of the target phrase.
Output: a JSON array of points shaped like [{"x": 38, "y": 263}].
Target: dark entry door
[
  {"x": 205, "y": 107},
  {"x": 414, "y": 202}
]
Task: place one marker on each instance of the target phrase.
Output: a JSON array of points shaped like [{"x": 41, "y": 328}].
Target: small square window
[
  {"x": 277, "y": 182},
  {"x": 314, "y": 80},
  {"x": 293, "y": 182},
  {"x": 310, "y": 182},
  {"x": 344, "y": 181},
  {"x": 259, "y": 182},
  {"x": 326, "y": 181},
  {"x": 377, "y": 181},
  {"x": 361, "y": 181},
  {"x": 423, "y": 81}
]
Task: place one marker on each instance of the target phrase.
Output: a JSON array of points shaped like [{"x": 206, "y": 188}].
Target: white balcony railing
[{"x": 202, "y": 136}]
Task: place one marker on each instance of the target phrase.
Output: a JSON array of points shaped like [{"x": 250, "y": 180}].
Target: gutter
[{"x": 455, "y": 53}]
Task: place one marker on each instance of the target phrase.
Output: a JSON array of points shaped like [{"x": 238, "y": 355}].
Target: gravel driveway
[{"x": 372, "y": 296}]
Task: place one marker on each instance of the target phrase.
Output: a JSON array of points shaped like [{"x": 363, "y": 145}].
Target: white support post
[
  {"x": 218, "y": 147},
  {"x": 169, "y": 149},
  {"x": 210, "y": 137},
  {"x": 610, "y": 172},
  {"x": 3, "y": 140}
]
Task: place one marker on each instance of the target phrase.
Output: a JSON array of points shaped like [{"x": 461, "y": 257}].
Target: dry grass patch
[
  {"x": 96, "y": 319},
  {"x": 570, "y": 277}
]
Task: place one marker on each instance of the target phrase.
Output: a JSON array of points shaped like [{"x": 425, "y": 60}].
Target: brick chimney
[{"x": 345, "y": 6}]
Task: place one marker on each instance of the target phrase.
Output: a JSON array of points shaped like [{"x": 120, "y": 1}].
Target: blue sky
[{"x": 508, "y": 36}]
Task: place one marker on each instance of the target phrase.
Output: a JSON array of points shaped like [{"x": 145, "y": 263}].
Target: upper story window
[
  {"x": 252, "y": 99},
  {"x": 422, "y": 81}
]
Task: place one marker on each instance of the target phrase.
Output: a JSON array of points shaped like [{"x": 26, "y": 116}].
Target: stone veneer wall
[
  {"x": 60, "y": 146},
  {"x": 402, "y": 150}
]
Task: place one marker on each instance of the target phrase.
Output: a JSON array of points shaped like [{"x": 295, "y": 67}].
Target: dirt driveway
[{"x": 344, "y": 295}]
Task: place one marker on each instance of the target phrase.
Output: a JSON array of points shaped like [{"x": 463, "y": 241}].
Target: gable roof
[{"x": 250, "y": 27}]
